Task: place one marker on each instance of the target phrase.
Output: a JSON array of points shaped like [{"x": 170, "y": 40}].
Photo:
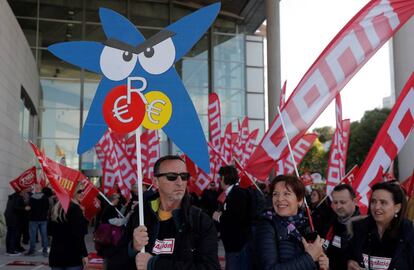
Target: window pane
[
  {"x": 61, "y": 93},
  {"x": 53, "y": 67},
  {"x": 63, "y": 10},
  {"x": 149, "y": 14},
  {"x": 228, "y": 48},
  {"x": 229, "y": 75},
  {"x": 90, "y": 161},
  {"x": 26, "y": 123},
  {"x": 55, "y": 149},
  {"x": 92, "y": 8},
  {"x": 60, "y": 123}
]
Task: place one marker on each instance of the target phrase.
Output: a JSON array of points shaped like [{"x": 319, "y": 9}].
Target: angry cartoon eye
[
  {"x": 116, "y": 64},
  {"x": 159, "y": 58}
]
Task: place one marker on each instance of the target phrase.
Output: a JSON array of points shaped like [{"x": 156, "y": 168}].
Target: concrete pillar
[
  {"x": 403, "y": 64},
  {"x": 273, "y": 56}
]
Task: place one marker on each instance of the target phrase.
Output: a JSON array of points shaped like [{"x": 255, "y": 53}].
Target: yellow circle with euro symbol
[{"x": 158, "y": 110}]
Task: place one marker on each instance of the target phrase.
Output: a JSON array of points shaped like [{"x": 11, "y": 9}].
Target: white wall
[{"x": 17, "y": 69}]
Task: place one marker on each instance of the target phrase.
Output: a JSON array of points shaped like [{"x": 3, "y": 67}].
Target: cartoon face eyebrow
[{"x": 152, "y": 41}]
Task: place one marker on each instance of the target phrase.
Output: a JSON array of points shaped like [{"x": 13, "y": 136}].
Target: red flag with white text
[
  {"x": 89, "y": 198},
  {"x": 389, "y": 141},
  {"x": 282, "y": 96},
  {"x": 337, "y": 156},
  {"x": 301, "y": 148},
  {"x": 249, "y": 146},
  {"x": 214, "y": 119},
  {"x": 24, "y": 181},
  {"x": 408, "y": 186},
  {"x": 54, "y": 178},
  {"x": 350, "y": 49}
]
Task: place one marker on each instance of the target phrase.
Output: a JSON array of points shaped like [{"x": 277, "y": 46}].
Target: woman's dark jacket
[
  {"x": 68, "y": 243},
  {"x": 275, "y": 249},
  {"x": 195, "y": 243},
  {"x": 364, "y": 230},
  {"x": 14, "y": 213}
]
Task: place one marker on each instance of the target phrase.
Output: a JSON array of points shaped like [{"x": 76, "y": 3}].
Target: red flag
[
  {"x": 227, "y": 145},
  {"x": 408, "y": 186},
  {"x": 350, "y": 49},
  {"x": 201, "y": 179},
  {"x": 25, "y": 180},
  {"x": 249, "y": 146},
  {"x": 214, "y": 119},
  {"x": 54, "y": 178},
  {"x": 150, "y": 153},
  {"x": 350, "y": 176},
  {"x": 390, "y": 139},
  {"x": 282, "y": 96},
  {"x": 301, "y": 148},
  {"x": 389, "y": 175},
  {"x": 241, "y": 139},
  {"x": 337, "y": 156},
  {"x": 88, "y": 199}
]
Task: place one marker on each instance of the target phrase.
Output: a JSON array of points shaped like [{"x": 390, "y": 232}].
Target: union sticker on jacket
[
  {"x": 165, "y": 246},
  {"x": 376, "y": 263}
]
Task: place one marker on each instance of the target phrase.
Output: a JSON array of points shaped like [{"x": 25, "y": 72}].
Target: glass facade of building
[{"x": 215, "y": 64}]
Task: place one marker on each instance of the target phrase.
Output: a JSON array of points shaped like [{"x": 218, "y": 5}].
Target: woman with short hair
[
  {"x": 384, "y": 239},
  {"x": 279, "y": 235}
]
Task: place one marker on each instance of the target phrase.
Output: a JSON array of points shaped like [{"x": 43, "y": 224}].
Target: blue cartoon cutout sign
[{"x": 140, "y": 85}]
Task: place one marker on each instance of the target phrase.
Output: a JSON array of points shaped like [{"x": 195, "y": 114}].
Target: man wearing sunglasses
[{"x": 176, "y": 234}]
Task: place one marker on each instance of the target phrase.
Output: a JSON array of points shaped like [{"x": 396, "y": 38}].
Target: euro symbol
[
  {"x": 119, "y": 111},
  {"x": 151, "y": 109}
]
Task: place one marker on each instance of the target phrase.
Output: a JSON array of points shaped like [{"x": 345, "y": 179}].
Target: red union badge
[{"x": 120, "y": 115}]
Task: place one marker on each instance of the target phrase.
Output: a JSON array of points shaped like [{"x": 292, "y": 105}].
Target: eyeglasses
[{"x": 172, "y": 176}]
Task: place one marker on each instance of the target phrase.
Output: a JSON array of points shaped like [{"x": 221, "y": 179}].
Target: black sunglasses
[{"x": 172, "y": 176}]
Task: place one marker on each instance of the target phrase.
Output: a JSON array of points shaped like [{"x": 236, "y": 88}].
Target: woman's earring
[{"x": 396, "y": 214}]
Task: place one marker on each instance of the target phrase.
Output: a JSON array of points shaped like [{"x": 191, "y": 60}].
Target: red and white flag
[
  {"x": 214, "y": 119},
  {"x": 337, "y": 156},
  {"x": 226, "y": 147},
  {"x": 282, "y": 96},
  {"x": 249, "y": 146},
  {"x": 53, "y": 176},
  {"x": 301, "y": 148},
  {"x": 150, "y": 153},
  {"x": 88, "y": 199},
  {"x": 241, "y": 139},
  {"x": 24, "y": 181},
  {"x": 351, "y": 48},
  {"x": 389, "y": 175},
  {"x": 390, "y": 139}
]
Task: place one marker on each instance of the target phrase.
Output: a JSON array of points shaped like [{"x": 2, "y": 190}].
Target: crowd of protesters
[{"x": 279, "y": 226}]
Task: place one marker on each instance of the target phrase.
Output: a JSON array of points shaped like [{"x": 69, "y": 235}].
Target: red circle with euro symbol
[{"x": 121, "y": 116}]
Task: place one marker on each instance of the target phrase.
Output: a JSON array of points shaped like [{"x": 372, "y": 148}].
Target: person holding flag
[
  {"x": 175, "y": 234},
  {"x": 68, "y": 249}
]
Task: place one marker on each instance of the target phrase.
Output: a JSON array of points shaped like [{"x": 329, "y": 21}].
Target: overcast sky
[{"x": 306, "y": 29}]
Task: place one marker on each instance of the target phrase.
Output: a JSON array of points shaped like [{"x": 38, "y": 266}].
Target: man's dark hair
[
  {"x": 230, "y": 174},
  {"x": 345, "y": 187},
  {"x": 165, "y": 158}
]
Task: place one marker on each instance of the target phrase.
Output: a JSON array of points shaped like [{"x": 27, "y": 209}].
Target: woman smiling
[
  {"x": 279, "y": 236},
  {"x": 384, "y": 239}
]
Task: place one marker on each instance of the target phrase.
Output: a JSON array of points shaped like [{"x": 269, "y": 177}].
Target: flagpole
[
  {"x": 296, "y": 168},
  {"x": 138, "y": 133},
  {"x": 110, "y": 203}
]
